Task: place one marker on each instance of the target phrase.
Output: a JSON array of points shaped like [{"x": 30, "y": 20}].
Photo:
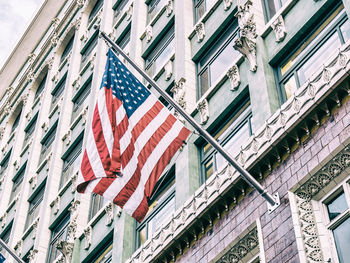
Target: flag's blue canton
[
  {"x": 2, "y": 258},
  {"x": 124, "y": 84}
]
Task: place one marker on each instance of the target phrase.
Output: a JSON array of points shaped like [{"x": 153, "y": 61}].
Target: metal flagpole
[
  {"x": 273, "y": 200},
  {"x": 10, "y": 251}
]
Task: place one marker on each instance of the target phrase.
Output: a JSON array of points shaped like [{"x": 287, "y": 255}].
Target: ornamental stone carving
[
  {"x": 77, "y": 23},
  {"x": 35, "y": 227},
  {"x": 233, "y": 75},
  {"x": 169, "y": 7},
  {"x": 66, "y": 248},
  {"x": 33, "y": 180},
  {"x": 149, "y": 33},
  {"x": 32, "y": 58},
  {"x": 242, "y": 248},
  {"x": 1, "y": 181},
  {"x": 74, "y": 182},
  {"x": 203, "y": 108},
  {"x": 200, "y": 31},
  {"x": 227, "y": 4},
  {"x": 55, "y": 22},
  {"x": 76, "y": 83},
  {"x": 72, "y": 229},
  {"x": 179, "y": 92},
  {"x": 24, "y": 98},
  {"x": 109, "y": 213},
  {"x": 54, "y": 39},
  {"x": 80, "y": 3},
  {"x": 74, "y": 209},
  {"x": 32, "y": 255},
  {"x": 88, "y": 236},
  {"x": 168, "y": 67},
  {"x": 30, "y": 75},
  {"x": 129, "y": 12},
  {"x": 18, "y": 247},
  {"x": 3, "y": 220},
  {"x": 7, "y": 108},
  {"x": 246, "y": 43},
  {"x": 279, "y": 28},
  {"x": 16, "y": 164},
  {"x": 2, "y": 131},
  {"x": 56, "y": 205},
  {"x": 67, "y": 137},
  {"x": 48, "y": 161}
]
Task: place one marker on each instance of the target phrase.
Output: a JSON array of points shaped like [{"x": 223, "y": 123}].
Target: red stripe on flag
[{"x": 87, "y": 173}]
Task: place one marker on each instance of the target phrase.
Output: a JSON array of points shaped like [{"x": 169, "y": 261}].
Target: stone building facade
[{"x": 268, "y": 79}]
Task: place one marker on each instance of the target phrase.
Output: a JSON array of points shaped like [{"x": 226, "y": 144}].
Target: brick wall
[{"x": 279, "y": 239}]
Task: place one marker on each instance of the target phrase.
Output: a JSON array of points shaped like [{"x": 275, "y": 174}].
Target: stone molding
[
  {"x": 203, "y": 108},
  {"x": 55, "y": 204},
  {"x": 168, "y": 67},
  {"x": 242, "y": 248},
  {"x": 128, "y": 12},
  {"x": 149, "y": 33},
  {"x": 88, "y": 237},
  {"x": 66, "y": 248},
  {"x": 32, "y": 255},
  {"x": 279, "y": 28},
  {"x": 18, "y": 247},
  {"x": 179, "y": 92},
  {"x": 246, "y": 43},
  {"x": 227, "y": 4},
  {"x": 287, "y": 117},
  {"x": 169, "y": 7},
  {"x": 109, "y": 212}
]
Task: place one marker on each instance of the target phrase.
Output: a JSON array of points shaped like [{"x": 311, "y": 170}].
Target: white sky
[{"x": 15, "y": 16}]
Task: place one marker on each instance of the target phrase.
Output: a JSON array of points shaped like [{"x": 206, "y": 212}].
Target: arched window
[
  {"x": 95, "y": 10},
  {"x": 67, "y": 49}
]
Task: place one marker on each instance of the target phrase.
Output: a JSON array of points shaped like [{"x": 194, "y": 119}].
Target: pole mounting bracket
[{"x": 271, "y": 208}]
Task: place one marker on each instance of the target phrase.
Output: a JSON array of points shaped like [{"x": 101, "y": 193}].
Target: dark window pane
[
  {"x": 16, "y": 122},
  {"x": 142, "y": 235},
  {"x": 67, "y": 49},
  {"x": 58, "y": 233},
  {"x": 345, "y": 29},
  {"x": 337, "y": 206},
  {"x": 95, "y": 10},
  {"x": 88, "y": 50},
  {"x": 117, "y": 10},
  {"x": 204, "y": 81},
  {"x": 41, "y": 87},
  {"x": 342, "y": 241}
]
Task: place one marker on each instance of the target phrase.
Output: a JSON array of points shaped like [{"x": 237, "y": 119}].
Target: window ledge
[
  {"x": 204, "y": 18},
  {"x": 281, "y": 12},
  {"x": 212, "y": 90},
  {"x": 30, "y": 228}
]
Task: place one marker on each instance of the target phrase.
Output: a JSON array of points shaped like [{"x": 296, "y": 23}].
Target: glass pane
[
  {"x": 200, "y": 10},
  {"x": 204, "y": 82},
  {"x": 318, "y": 58},
  {"x": 345, "y": 29},
  {"x": 142, "y": 236},
  {"x": 342, "y": 241},
  {"x": 161, "y": 216},
  {"x": 337, "y": 206},
  {"x": 290, "y": 87},
  {"x": 272, "y": 7},
  {"x": 163, "y": 57},
  {"x": 241, "y": 135}
]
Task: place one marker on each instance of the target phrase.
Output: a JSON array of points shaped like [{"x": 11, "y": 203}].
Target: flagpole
[
  {"x": 10, "y": 251},
  {"x": 273, "y": 200}
]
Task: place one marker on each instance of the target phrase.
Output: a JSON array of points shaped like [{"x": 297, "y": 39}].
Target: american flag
[
  {"x": 132, "y": 139},
  {"x": 2, "y": 258}
]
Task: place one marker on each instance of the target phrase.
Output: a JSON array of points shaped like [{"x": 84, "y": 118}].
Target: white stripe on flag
[
  {"x": 94, "y": 156},
  {"x": 135, "y": 200}
]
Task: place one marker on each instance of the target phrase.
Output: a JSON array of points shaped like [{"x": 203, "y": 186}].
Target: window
[
  {"x": 5, "y": 236},
  {"x": 87, "y": 50},
  {"x": 161, "y": 53},
  {"x": 29, "y": 130},
  {"x": 58, "y": 233},
  {"x": 47, "y": 142},
  {"x": 313, "y": 52},
  {"x": 79, "y": 99},
  {"x": 16, "y": 122},
  {"x": 98, "y": 5},
  {"x": 124, "y": 42},
  {"x": 67, "y": 49},
  {"x": 217, "y": 59},
  {"x": 34, "y": 206},
  {"x": 58, "y": 91},
  {"x": 40, "y": 87},
  {"x": 230, "y": 135},
  {"x": 118, "y": 8},
  {"x": 338, "y": 213},
  {"x": 71, "y": 162},
  {"x": 272, "y": 6},
  {"x": 161, "y": 206},
  {"x": 17, "y": 182},
  {"x": 4, "y": 163},
  {"x": 106, "y": 255},
  {"x": 97, "y": 202},
  {"x": 153, "y": 7},
  {"x": 201, "y": 6}
]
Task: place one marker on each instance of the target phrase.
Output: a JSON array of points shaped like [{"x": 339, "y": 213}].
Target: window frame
[
  {"x": 80, "y": 97},
  {"x": 16, "y": 121},
  {"x": 17, "y": 182},
  {"x": 47, "y": 141},
  {"x": 302, "y": 55},
  {"x": 34, "y": 203},
  {"x": 5, "y": 163},
  {"x": 88, "y": 48},
  {"x": 167, "y": 184},
  {"x": 58, "y": 91},
  {"x": 68, "y": 48},
  {"x": 41, "y": 86},
  {"x": 267, "y": 13},
  {"x": 229, "y": 34},
  {"x": 29, "y": 130},
  {"x": 153, "y": 9},
  {"x": 95, "y": 9},
  {"x": 240, "y": 116},
  {"x": 118, "y": 8}
]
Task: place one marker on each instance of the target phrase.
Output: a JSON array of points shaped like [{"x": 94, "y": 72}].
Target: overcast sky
[{"x": 15, "y": 16}]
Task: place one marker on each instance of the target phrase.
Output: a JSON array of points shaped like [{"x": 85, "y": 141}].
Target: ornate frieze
[
  {"x": 203, "y": 108},
  {"x": 168, "y": 67},
  {"x": 242, "y": 248},
  {"x": 233, "y": 75},
  {"x": 88, "y": 236},
  {"x": 200, "y": 31},
  {"x": 279, "y": 28},
  {"x": 227, "y": 4},
  {"x": 149, "y": 33},
  {"x": 246, "y": 43},
  {"x": 169, "y": 7}
]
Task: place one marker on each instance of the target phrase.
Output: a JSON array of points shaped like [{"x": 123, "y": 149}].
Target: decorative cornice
[
  {"x": 242, "y": 248},
  {"x": 200, "y": 31},
  {"x": 279, "y": 28}
]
